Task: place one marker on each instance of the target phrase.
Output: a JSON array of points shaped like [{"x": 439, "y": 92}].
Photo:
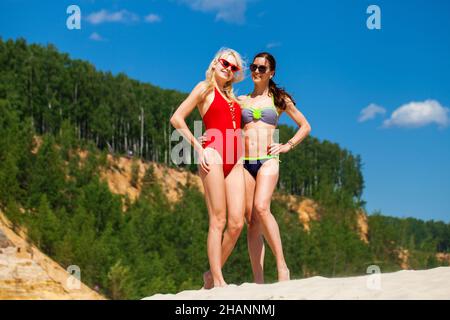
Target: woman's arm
[
  {"x": 300, "y": 120},
  {"x": 178, "y": 119},
  {"x": 299, "y": 136}
]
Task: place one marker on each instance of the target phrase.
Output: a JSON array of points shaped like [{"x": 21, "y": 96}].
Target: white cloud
[
  {"x": 103, "y": 15},
  {"x": 153, "y": 18},
  {"x": 419, "y": 114},
  {"x": 231, "y": 11},
  {"x": 96, "y": 37},
  {"x": 370, "y": 112},
  {"x": 271, "y": 45}
]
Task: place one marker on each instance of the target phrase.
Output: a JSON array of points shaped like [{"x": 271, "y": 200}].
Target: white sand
[{"x": 424, "y": 284}]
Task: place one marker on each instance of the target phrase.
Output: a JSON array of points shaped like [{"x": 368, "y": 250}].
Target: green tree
[
  {"x": 118, "y": 277},
  {"x": 48, "y": 175},
  {"x": 48, "y": 227}
]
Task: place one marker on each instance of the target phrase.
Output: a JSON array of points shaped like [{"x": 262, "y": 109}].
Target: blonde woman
[
  {"x": 261, "y": 111},
  {"x": 220, "y": 170}
]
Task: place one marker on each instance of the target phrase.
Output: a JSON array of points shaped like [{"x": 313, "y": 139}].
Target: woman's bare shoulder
[
  {"x": 290, "y": 104},
  {"x": 201, "y": 90},
  {"x": 242, "y": 98},
  {"x": 200, "y": 87}
]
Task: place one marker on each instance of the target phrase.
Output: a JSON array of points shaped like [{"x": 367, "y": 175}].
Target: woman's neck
[
  {"x": 260, "y": 90},
  {"x": 219, "y": 84}
]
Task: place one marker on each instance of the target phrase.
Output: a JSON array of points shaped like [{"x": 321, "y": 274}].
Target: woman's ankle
[{"x": 284, "y": 274}]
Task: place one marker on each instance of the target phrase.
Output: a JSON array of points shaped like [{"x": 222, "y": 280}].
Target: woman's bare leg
[
  {"x": 235, "y": 194},
  {"x": 255, "y": 239},
  {"x": 214, "y": 185},
  {"x": 266, "y": 182},
  {"x": 235, "y": 202}
]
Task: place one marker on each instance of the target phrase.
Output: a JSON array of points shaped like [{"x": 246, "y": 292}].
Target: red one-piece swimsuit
[{"x": 223, "y": 130}]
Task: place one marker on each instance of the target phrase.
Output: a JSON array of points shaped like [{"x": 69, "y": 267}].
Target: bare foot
[
  {"x": 208, "y": 282},
  {"x": 220, "y": 284},
  {"x": 283, "y": 275}
]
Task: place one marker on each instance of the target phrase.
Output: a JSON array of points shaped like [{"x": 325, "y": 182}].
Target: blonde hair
[{"x": 237, "y": 76}]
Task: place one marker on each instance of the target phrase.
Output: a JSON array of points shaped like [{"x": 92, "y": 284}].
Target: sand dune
[{"x": 406, "y": 284}]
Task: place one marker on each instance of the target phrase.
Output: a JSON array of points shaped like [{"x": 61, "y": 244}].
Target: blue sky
[{"x": 383, "y": 94}]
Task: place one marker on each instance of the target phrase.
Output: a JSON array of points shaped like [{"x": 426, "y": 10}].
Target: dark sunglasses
[
  {"x": 227, "y": 64},
  {"x": 260, "y": 68}
]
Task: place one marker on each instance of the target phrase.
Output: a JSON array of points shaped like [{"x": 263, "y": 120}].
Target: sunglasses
[
  {"x": 260, "y": 68},
  {"x": 227, "y": 64}
]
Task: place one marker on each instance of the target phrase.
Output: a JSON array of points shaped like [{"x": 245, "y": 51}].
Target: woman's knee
[
  {"x": 253, "y": 229},
  {"x": 261, "y": 209},
  {"x": 217, "y": 223},
  {"x": 253, "y": 221},
  {"x": 248, "y": 215},
  {"x": 235, "y": 226}
]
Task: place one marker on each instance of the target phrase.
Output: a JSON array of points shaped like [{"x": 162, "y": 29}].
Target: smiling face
[
  {"x": 259, "y": 77},
  {"x": 222, "y": 72}
]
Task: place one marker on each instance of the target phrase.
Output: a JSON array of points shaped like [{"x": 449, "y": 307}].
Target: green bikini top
[{"x": 267, "y": 114}]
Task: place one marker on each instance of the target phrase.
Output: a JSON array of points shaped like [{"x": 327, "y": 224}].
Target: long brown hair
[{"x": 278, "y": 93}]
